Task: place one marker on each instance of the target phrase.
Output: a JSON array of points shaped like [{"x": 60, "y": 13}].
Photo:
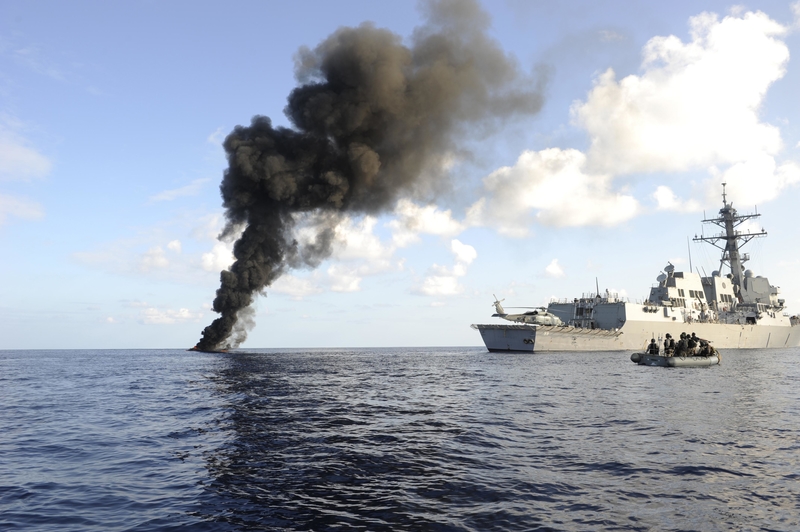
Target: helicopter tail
[{"x": 498, "y": 307}]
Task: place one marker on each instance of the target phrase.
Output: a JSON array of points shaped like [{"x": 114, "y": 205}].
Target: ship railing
[{"x": 592, "y": 298}]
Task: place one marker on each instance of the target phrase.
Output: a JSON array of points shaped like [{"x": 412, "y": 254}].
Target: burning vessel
[{"x": 738, "y": 310}]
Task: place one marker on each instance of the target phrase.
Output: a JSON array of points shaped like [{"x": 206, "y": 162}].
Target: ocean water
[{"x": 396, "y": 439}]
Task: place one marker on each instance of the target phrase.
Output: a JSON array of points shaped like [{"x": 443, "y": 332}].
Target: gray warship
[{"x": 737, "y": 310}]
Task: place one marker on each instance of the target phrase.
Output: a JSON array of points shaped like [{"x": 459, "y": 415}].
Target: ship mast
[{"x": 732, "y": 240}]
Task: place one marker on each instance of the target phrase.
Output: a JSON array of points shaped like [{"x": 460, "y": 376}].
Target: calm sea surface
[{"x": 396, "y": 439}]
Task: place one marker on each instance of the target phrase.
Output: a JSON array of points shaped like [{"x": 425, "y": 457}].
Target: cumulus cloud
[
  {"x": 355, "y": 240},
  {"x": 411, "y": 220},
  {"x": 20, "y": 208},
  {"x": 357, "y": 251},
  {"x": 666, "y": 200},
  {"x": 696, "y": 103},
  {"x": 443, "y": 281},
  {"x": 552, "y": 187},
  {"x": 755, "y": 180},
  {"x": 694, "y": 106},
  {"x": 554, "y": 269},
  {"x": 219, "y": 258},
  {"x": 221, "y": 255},
  {"x": 346, "y": 279}
]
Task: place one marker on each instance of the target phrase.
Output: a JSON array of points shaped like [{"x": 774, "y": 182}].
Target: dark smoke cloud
[{"x": 371, "y": 117}]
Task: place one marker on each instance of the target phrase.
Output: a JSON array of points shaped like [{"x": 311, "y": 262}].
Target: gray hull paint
[
  {"x": 633, "y": 335},
  {"x": 739, "y": 310}
]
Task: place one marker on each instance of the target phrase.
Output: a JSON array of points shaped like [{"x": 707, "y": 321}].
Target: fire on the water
[{"x": 197, "y": 348}]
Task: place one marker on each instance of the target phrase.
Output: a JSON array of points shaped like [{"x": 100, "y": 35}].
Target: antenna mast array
[{"x": 731, "y": 241}]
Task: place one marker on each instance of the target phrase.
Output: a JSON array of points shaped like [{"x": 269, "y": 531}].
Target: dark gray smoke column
[{"x": 371, "y": 117}]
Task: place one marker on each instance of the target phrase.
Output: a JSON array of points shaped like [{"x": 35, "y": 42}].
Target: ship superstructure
[{"x": 735, "y": 310}]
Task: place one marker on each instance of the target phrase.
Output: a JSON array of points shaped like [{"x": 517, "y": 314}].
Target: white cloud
[
  {"x": 554, "y": 184},
  {"x": 344, "y": 279},
  {"x": 755, "y": 181},
  {"x": 411, "y": 220},
  {"x": 221, "y": 255},
  {"x": 208, "y": 227},
  {"x": 174, "y": 245},
  {"x": 217, "y": 137},
  {"x": 356, "y": 250},
  {"x": 20, "y": 208},
  {"x": 192, "y": 189},
  {"x": 443, "y": 281},
  {"x": 554, "y": 269},
  {"x": 796, "y": 11},
  {"x": 295, "y": 287},
  {"x": 465, "y": 254},
  {"x": 666, "y": 200},
  {"x": 156, "y": 316},
  {"x": 18, "y": 161},
  {"x": 610, "y": 36},
  {"x": 356, "y": 240},
  {"x": 153, "y": 258},
  {"x": 219, "y": 258},
  {"x": 696, "y": 103}
]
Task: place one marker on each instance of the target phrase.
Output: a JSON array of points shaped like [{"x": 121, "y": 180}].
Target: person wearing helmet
[
  {"x": 653, "y": 347},
  {"x": 691, "y": 343},
  {"x": 682, "y": 348},
  {"x": 669, "y": 345}
]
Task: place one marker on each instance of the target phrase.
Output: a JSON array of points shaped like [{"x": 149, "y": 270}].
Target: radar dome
[
  {"x": 715, "y": 273},
  {"x": 748, "y": 273}
]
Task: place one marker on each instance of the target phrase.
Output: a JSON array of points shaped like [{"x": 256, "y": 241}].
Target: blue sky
[{"x": 112, "y": 116}]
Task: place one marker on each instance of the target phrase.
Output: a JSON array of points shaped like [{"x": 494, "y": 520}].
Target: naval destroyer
[{"x": 736, "y": 310}]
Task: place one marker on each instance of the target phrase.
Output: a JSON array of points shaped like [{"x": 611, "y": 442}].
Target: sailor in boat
[
  {"x": 652, "y": 349},
  {"x": 681, "y": 350},
  {"x": 691, "y": 343},
  {"x": 669, "y": 345}
]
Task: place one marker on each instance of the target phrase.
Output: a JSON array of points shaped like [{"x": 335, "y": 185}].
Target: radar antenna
[{"x": 732, "y": 240}]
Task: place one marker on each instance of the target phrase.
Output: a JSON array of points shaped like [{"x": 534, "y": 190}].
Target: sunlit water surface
[{"x": 396, "y": 439}]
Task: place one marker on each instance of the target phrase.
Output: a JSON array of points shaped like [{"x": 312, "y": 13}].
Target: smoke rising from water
[{"x": 373, "y": 120}]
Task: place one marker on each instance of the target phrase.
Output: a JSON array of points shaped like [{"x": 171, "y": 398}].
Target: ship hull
[
  {"x": 739, "y": 310},
  {"x": 633, "y": 335}
]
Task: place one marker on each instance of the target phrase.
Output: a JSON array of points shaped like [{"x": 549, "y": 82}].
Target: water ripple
[{"x": 396, "y": 439}]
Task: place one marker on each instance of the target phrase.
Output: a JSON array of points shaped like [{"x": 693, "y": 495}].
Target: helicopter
[{"x": 537, "y": 316}]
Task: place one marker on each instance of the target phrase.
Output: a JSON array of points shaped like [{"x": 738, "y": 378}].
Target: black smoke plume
[{"x": 371, "y": 116}]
